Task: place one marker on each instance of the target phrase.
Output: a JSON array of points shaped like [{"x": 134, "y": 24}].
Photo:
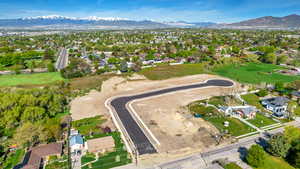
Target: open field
[
  {"x": 254, "y": 73},
  {"x": 30, "y": 79},
  {"x": 88, "y": 125},
  {"x": 167, "y": 71}
]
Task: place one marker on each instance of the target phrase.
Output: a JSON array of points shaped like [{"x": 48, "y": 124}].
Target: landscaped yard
[
  {"x": 89, "y": 125},
  {"x": 87, "y": 158},
  {"x": 30, "y": 79},
  {"x": 274, "y": 162},
  {"x": 253, "y": 100},
  {"x": 167, "y": 71},
  {"x": 210, "y": 114},
  {"x": 261, "y": 120},
  {"x": 14, "y": 158},
  {"x": 254, "y": 73},
  {"x": 236, "y": 127},
  {"x": 112, "y": 159}
]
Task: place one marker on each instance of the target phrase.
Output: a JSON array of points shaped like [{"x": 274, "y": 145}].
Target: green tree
[
  {"x": 256, "y": 156},
  {"x": 278, "y": 145}
]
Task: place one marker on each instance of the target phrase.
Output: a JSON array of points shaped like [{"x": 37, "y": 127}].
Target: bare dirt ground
[
  {"x": 170, "y": 122},
  {"x": 177, "y": 131}
]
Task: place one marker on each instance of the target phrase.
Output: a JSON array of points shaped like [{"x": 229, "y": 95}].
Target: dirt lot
[
  {"x": 172, "y": 124},
  {"x": 164, "y": 115}
]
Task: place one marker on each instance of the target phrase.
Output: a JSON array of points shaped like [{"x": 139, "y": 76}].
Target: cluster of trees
[
  {"x": 284, "y": 145},
  {"x": 10, "y": 59},
  {"x": 77, "y": 68},
  {"x": 28, "y": 115}
]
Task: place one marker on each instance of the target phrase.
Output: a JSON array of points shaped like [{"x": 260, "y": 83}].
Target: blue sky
[{"x": 159, "y": 10}]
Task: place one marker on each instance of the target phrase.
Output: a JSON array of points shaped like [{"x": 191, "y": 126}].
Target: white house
[
  {"x": 278, "y": 105},
  {"x": 76, "y": 144},
  {"x": 247, "y": 112}
]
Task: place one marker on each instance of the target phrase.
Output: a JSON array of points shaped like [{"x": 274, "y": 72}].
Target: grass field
[
  {"x": 261, "y": 120},
  {"x": 30, "y": 79},
  {"x": 254, "y": 73},
  {"x": 274, "y": 162},
  {"x": 167, "y": 71}
]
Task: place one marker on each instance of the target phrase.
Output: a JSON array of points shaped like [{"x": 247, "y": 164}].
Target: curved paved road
[{"x": 136, "y": 134}]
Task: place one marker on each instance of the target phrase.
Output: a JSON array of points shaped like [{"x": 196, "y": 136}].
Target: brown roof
[
  {"x": 37, "y": 153},
  {"x": 100, "y": 144}
]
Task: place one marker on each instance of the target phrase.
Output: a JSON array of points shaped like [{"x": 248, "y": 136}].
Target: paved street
[
  {"x": 203, "y": 160},
  {"x": 137, "y": 135},
  {"x": 62, "y": 60}
]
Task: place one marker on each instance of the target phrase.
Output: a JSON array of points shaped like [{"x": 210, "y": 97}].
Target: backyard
[
  {"x": 212, "y": 115},
  {"x": 111, "y": 159},
  {"x": 254, "y": 73},
  {"x": 89, "y": 126},
  {"x": 14, "y": 158},
  {"x": 261, "y": 120},
  {"x": 162, "y": 72},
  {"x": 253, "y": 100},
  {"x": 30, "y": 79}
]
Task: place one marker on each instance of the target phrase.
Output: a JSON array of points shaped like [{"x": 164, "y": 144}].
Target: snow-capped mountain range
[
  {"x": 90, "y": 18},
  {"x": 91, "y": 22}
]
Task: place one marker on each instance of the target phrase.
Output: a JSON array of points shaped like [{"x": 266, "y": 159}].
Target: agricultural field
[
  {"x": 162, "y": 72},
  {"x": 254, "y": 73},
  {"x": 30, "y": 79}
]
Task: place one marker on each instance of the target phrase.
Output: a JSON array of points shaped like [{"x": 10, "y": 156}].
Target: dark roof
[
  {"x": 277, "y": 101},
  {"x": 35, "y": 155},
  {"x": 296, "y": 93}
]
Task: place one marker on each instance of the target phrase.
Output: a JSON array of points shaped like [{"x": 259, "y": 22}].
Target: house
[
  {"x": 34, "y": 158},
  {"x": 247, "y": 112},
  {"x": 102, "y": 144},
  {"x": 278, "y": 105},
  {"x": 295, "y": 95},
  {"x": 76, "y": 144}
]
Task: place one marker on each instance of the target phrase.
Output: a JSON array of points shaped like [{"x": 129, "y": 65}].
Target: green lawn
[
  {"x": 232, "y": 166},
  {"x": 88, "y": 125},
  {"x": 275, "y": 163},
  {"x": 210, "y": 114},
  {"x": 253, "y": 100},
  {"x": 261, "y": 120},
  {"x": 87, "y": 158},
  {"x": 236, "y": 127},
  {"x": 254, "y": 73},
  {"x": 113, "y": 159},
  {"x": 167, "y": 71},
  {"x": 30, "y": 79},
  {"x": 14, "y": 159},
  {"x": 57, "y": 164}
]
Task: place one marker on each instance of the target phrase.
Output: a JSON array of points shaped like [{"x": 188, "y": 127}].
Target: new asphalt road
[{"x": 142, "y": 143}]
